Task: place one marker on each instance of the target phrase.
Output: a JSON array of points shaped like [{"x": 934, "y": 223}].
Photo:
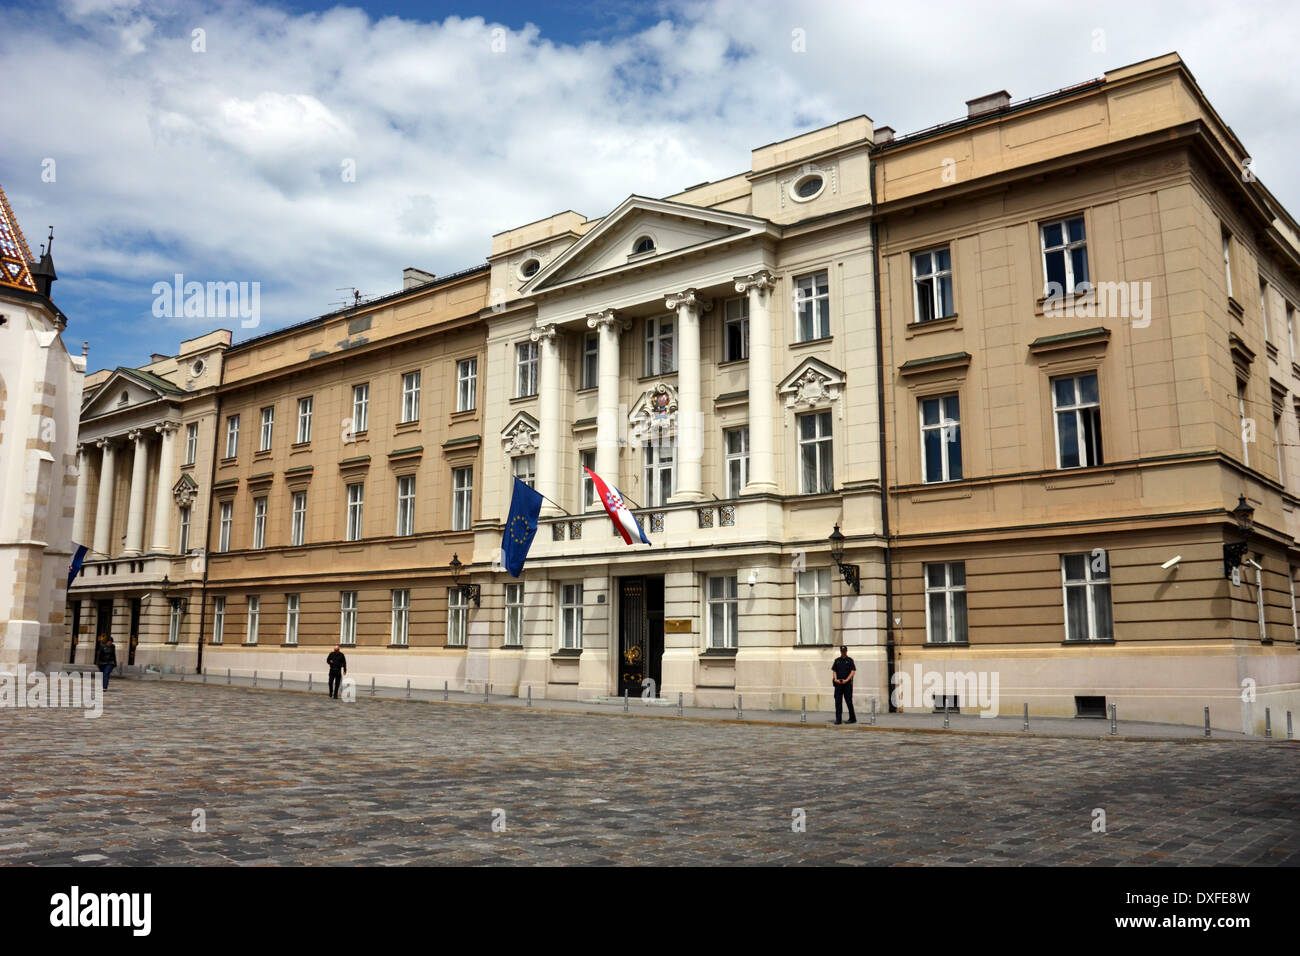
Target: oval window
[
  {"x": 197, "y": 368},
  {"x": 644, "y": 244},
  {"x": 530, "y": 268},
  {"x": 807, "y": 187}
]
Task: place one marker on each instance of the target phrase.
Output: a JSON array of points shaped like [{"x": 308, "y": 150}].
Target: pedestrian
[
  {"x": 338, "y": 665},
  {"x": 843, "y": 670},
  {"x": 106, "y": 658}
]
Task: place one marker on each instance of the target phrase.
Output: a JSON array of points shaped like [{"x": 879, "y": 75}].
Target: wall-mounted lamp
[
  {"x": 753, "y": 579},
  {"x": 851, "y": 572},
  {"x": 1234, "y": 551},
  {"x": 471, "y": 591},
  {"x": 179, "y": 603}
]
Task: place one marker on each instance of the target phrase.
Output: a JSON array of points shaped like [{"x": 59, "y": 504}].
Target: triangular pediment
[
  {"x": 127, "y": 388},
  {"x": 812, "y": 384},
  {"x": 522, "y": 434},
  {"x": 674, "y": 229},
  {"x": 185, "y": 489}
]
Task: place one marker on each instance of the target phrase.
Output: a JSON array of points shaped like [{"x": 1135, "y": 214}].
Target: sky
[{"x": 315, "y": 149}]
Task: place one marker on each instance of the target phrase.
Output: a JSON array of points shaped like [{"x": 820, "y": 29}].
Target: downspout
[
  {"x": 884, "y": 472},
  {"x": 207, "y": 526}
]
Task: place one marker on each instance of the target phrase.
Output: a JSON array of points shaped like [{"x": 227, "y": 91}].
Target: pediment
[
  {"x": 654, "y": 414},
  {"x": 522, "y": 434},
  {"x": 126, "y": 389},
  {"x": 676, "y": 228},
  {"x": 812, "y": 384},
  {"x": 185, "y": 490}
]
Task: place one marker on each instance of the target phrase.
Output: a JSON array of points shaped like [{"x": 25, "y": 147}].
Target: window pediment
[
  {"x": 522, "y": 435},
  {"x": 812, "y": 384}
]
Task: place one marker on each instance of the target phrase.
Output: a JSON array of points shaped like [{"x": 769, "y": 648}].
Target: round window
[
  {"x": 197, "y": 368},
  {"x": 644, "y": 244},
  {"x": 530, "y": 268},
  {"x": 806, "y": 187}
]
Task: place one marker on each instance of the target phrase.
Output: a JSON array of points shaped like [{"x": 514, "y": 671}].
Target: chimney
[
  {"x": 412, "y": 277},
  {"x": 883, "y": 134},
  {"x": 989, "y": 103}
]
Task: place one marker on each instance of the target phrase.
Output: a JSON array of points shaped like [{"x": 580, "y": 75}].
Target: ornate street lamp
[
  {"x": 471, "y": 591},
  {"x": 1235, "y": 551},
  {"x": 850, "y": 571},
  {"x": 177, "y": 602}
]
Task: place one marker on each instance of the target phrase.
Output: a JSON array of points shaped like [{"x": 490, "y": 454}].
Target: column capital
[
  {"x": 105, "y": 444},
  {"x": 544, "y": 333},
  {"x": 136, "y": 435},
  {"x": 690, "y": 298},
  {"x": 610, "y": 319},
  {"x": 763, "y": 281},
  {"x": 166, "y": 428}
]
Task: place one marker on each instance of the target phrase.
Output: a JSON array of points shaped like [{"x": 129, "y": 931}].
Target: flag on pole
[
  {"x": 77, "y": 558},
  {"x": 625, "y": 522},
  {"x": 521, "y": 526}
]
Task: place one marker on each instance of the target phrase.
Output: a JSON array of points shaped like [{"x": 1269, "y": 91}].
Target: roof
[
  {"x": 15, "y": 256},
  {"x": 148, "y": 378}
]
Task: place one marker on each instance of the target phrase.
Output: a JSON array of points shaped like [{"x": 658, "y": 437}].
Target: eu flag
[
  {"x": 78, "y": 556},
  {"x": 521, "y": 525}
]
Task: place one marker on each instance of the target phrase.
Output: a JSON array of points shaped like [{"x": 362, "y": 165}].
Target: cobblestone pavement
[{"x": 291, "y": 778}]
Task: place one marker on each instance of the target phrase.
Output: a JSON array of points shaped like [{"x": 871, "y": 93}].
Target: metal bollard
[
  {"x": 679, "y": 703},
  {"x": 873, "y": 712},
  {"x": 254, "y": 678},
  {"x": 625, "y": 700},
  {"x": 1114, "y": 729},
  {"x": 1268, "y": 724},
  {"x": 803, "y": 709},
  {"x": 309, "y": 680},
  {"x": 1207, "y": 720},
  {"x": 372, "y": 685},
  {"x": 281, "y": 680},
  {"x": 487, "y": 691},
  {"x": 740, "y": 707},
  {"x": 1288, "y": 726},
  {"x": 945, "y": 711},
  {"x": 227, "y": 675},
  {"x": 530, "y": 695},
  {"x": 1026, "y": 727},
  {"x": 408, "y": 687},
  {"x": 444, "y": 690}
]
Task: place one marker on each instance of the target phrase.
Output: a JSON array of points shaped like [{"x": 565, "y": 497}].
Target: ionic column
[
  {"x": 83, "y": 495},
  {"x": 162, "y": 511},
  {"x": 548, "y": 413},
  {"x": 690, "y": 486},
  {"x": 607, "y": 424},
  {"x": 104, "y": 506},
  {"x": 139, "y": 480},
  {"x": 762, "y": 466}
]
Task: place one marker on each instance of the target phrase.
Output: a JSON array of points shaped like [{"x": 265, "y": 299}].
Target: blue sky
[{"x": 227, "y": 163}]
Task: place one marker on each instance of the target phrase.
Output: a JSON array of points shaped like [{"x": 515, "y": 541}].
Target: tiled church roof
[{"x": 15, "y": 257}]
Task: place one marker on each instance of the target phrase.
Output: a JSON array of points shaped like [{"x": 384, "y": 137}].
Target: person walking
[
  {"x": 843, "y": 670},
  {"x": 106, "y": 659},
  {"x": 338, "y": 665}
]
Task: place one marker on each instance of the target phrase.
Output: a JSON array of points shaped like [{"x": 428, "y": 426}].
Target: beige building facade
[{"x": 1087, "y": 305}]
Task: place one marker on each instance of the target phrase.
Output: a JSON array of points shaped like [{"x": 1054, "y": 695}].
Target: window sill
[
  {"x": 724, "y": 652},
  {"x": 1079, "y": 642},
  {"x": 566, "y": 653},
  {"x": 656, "y": 376},
  {"x": 933, "y": 325},
  {"x": 812, "y": 342},
  {"x": 744, "y": 360},
  {"x": 511, "y": 647},
  {"x": 262, "y": 454},
  {"x": 411, "y": 426},
  {"x": 524, "y": 398},
  {"x": 249, "y": 644},
  {"x": 1063, "y": 306},
  {"x": 398, "y": 647},
  {"x": 946, "y": 644},
  {"x": 1235, "y": 307},
  {"x": 463, "y": 414}
]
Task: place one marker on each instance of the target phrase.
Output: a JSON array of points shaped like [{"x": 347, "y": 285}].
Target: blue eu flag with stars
[{"x": 521, "y": 525}]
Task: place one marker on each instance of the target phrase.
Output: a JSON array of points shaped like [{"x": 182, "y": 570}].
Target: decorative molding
[
  {"x": 687, "y": 297},
  {"x": 599, "y": 320},
  {"x": 522, "y": 435},
  {"x": 185, "y": 490},
  {"x": 654, "y": 415},
  {"x": 813, "y": 384},
  {"x": 544, "y": 333},
  {"x": 762, "y": 280}
]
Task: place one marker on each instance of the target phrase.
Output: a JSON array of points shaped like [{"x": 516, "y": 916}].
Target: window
[
  {"x": 514, "y": 615},
  {"x": 588, "y": 460},
  {"x": 348, "y": 618},
  {"x": 932, "y": 284},
  {"x": 1065, "y": 257},
  {"x": 590, "y": 360},
  {"x": 232, "y": 436},
  {"x": 812, "y": 306},
  {"x": 643, "y": 245},
  {"x": 1246, "y": 423},
  {"x": 411, "y": 397},
  {"x": 298, "y": 534},
  {"x": 1078, "y": 421},
  {"x": 1227, "y": 260},
  {"x": 268, "y": 425},
  {"x": 940, "y": 439},
  {"x": 723, "y": 628},
  {"x": 191, "y": 443},
  {"x": 1290, "y": 330},
  {"x": 254, "y": 612},
  {"x": 735, "y": 329},
  {"x": 1295, "y": 619},
  {"x": 466, "y": 384},
  {"x": 356, "y": 507},
  {"x": 1086, "y": 580},
  {"x": 525, "y": 369},
  {"x": 457, "y": 609},
  {"x": 360, "y": 407},
  {"x": 813, "y": 589},
  {"x": 571, "y": 616},
  {"x": 405, "y": 505},
  {"x": 529, "y": 268},
  {"x": 259, "y": 522},
  {"x": 806, "y": 187},
  {"x": 292, "y": 603},
  {"x": 736, "y": 441},
  {"x": 1277, "y": 443},
  {"x": 1263, "y": 310},
  {"x": 660, "y": 470},
  {"x": 945, "y": 603},
  {"x": 815, "y": 472},
  {"x": 525, "y": 469},
  {"x": 227, "y": 519},
  {"x": 218, "y": 619},
  {"x": 185, "y": 530},
  {"x": 462, "y": 498},
  {"x": 174, "y": 624},
  {"x": 660, "y": 347},
  {"x": 304, "y": 419},
  {"x": 401, "y": 617}
]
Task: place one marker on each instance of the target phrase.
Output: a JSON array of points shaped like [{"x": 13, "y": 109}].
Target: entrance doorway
[
  {"x": 640, "y": 634},
  {"x": 135, "y": 631},
  {"x": 76, "y": 631}
]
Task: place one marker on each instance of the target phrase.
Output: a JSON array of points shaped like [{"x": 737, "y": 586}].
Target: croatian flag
[{"x": 625, "y": 522}]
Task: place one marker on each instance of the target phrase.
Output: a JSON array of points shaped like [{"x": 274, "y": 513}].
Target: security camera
[
  {"x": 753, "y": 578},
  {"x": 1172, "y": 562}
]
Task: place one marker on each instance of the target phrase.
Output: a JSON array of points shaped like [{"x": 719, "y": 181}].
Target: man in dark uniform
[
  {"x": 338, "y": 665},
  {"x": 106, "y": 659},
  {"x": 843, "y": 670}
]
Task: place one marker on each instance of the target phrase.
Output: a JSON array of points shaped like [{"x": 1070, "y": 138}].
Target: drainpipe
[
  {"x": 207, "y": 527},
  {"x": 884, "y": 471}
]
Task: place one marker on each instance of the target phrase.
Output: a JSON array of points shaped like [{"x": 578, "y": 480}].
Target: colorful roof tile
[{"x": 15, "y": 257}]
